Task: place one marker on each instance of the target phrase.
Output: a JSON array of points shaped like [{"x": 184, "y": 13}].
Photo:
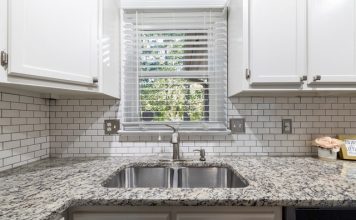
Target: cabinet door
[
  {"x": 110, "y": 48},
  {"x": 3, "y": 35},
  {"x": 331, "y": 41},
  {"x": 120, "y": 216},
  {"x": 55, "y": 40},
  {"x": 276, "y": 41},
  {"x": 221, "y": 216}
]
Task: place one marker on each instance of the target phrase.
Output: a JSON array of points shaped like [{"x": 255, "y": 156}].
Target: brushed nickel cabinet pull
[
  {"x": 248, "y": 73},
  {"x": 4, "y": 59}
]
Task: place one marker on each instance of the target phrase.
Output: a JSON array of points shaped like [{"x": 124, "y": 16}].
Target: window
[{"x": 175, "y": 69}]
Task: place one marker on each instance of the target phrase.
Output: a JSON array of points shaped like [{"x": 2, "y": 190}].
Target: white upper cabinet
[
  {"x": 283, "y": 43},
  {"x": 3, "y": 39},
  {"x": 276, "y": 41},
  {"x": 236, "y": 59},
  {"x": 331, "y": 41},
  {"x": 109, "y": 65},
  {"x": 61, "y": 47},
  {"x": 55, "y": 40}
]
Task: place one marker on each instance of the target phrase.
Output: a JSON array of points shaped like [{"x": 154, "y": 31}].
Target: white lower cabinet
[
  {"x": 176, "y": 213},
  {"x": 221, "y": 216},
  {"x": 120, "y": 216}
]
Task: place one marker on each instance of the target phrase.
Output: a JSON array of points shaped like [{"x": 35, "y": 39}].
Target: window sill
[{"x": 167, "y": 132}]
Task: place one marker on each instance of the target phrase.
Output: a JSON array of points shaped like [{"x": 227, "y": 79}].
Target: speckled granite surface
[{"x": 44, "y": 189}]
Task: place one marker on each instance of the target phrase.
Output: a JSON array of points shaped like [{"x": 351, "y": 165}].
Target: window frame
[{"x": 141, "y": 125}]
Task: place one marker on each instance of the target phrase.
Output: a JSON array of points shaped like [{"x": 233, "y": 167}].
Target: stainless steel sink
[
  {"x": 209, "y": 177},
  {"x": 141, "y": 177},
  {"x": 176, "y": 177}
]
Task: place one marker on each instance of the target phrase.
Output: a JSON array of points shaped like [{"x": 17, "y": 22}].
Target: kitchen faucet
[{"x": 175, "y": 142}]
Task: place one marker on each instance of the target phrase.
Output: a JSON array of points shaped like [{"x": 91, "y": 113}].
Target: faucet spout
[{"x": 170, "y": 126}]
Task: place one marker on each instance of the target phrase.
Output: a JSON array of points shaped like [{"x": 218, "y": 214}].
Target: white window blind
[
  {"x": 172, "y": 4},
  {"x": 175, "y": 69}
]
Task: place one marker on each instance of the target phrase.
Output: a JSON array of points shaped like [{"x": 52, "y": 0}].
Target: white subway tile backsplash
[
  {"x": 33, "y": 128},
  {"x": 312, "y": 116},
  {"x": 26, "y": 99},
  {"x": 5, "y": 154},
  {"x": 24, "y": 129},
  {"x": 10, "y": 97},
  {"x": 12, "y": 160}
]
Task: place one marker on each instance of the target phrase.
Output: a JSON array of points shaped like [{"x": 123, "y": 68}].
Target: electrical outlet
[
  {"x": 286, "y": 126},
  {"x": 111, "y": 126},
  {"x": 237, "y": 125}
]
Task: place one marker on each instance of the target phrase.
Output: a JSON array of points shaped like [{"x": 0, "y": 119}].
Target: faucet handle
[{"x": 202, "y": 154}]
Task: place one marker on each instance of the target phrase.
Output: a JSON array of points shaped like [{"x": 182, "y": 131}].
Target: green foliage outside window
[{"x": 171, "y": 99}]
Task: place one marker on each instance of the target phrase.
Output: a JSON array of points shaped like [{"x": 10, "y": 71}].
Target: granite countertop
[{"x": 45, "y": 189}]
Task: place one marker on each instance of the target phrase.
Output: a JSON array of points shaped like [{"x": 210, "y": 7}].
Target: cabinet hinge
[
  {"x": 303, "y": 78},
  {"x": 95, "y": 80},
  {"x": 4, "y": 59},
  {"x": 248, "y": 73}
]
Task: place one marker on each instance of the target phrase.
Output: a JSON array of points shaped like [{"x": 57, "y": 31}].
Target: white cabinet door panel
[
  {"x": 3, "y": 35},
  {"x": 120, "y": 216},
  {"x": 55, "y": 40},
  {"x": 221, "y": 216},
  {"x": 277, "y": 41},
  {"x": 331, "y": 41},
  {"x": 110, "y": 49}
]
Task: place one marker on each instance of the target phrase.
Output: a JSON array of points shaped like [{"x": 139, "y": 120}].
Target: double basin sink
[{"x": 176, "y": 177}]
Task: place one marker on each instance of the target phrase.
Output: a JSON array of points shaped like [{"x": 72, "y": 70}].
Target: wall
[
  {"x": 76, "y": 128},
  {"x": 24, "y": 129}
]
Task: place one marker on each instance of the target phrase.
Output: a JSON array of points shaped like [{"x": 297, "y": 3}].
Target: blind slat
[{"x": 177, "y": 38}]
